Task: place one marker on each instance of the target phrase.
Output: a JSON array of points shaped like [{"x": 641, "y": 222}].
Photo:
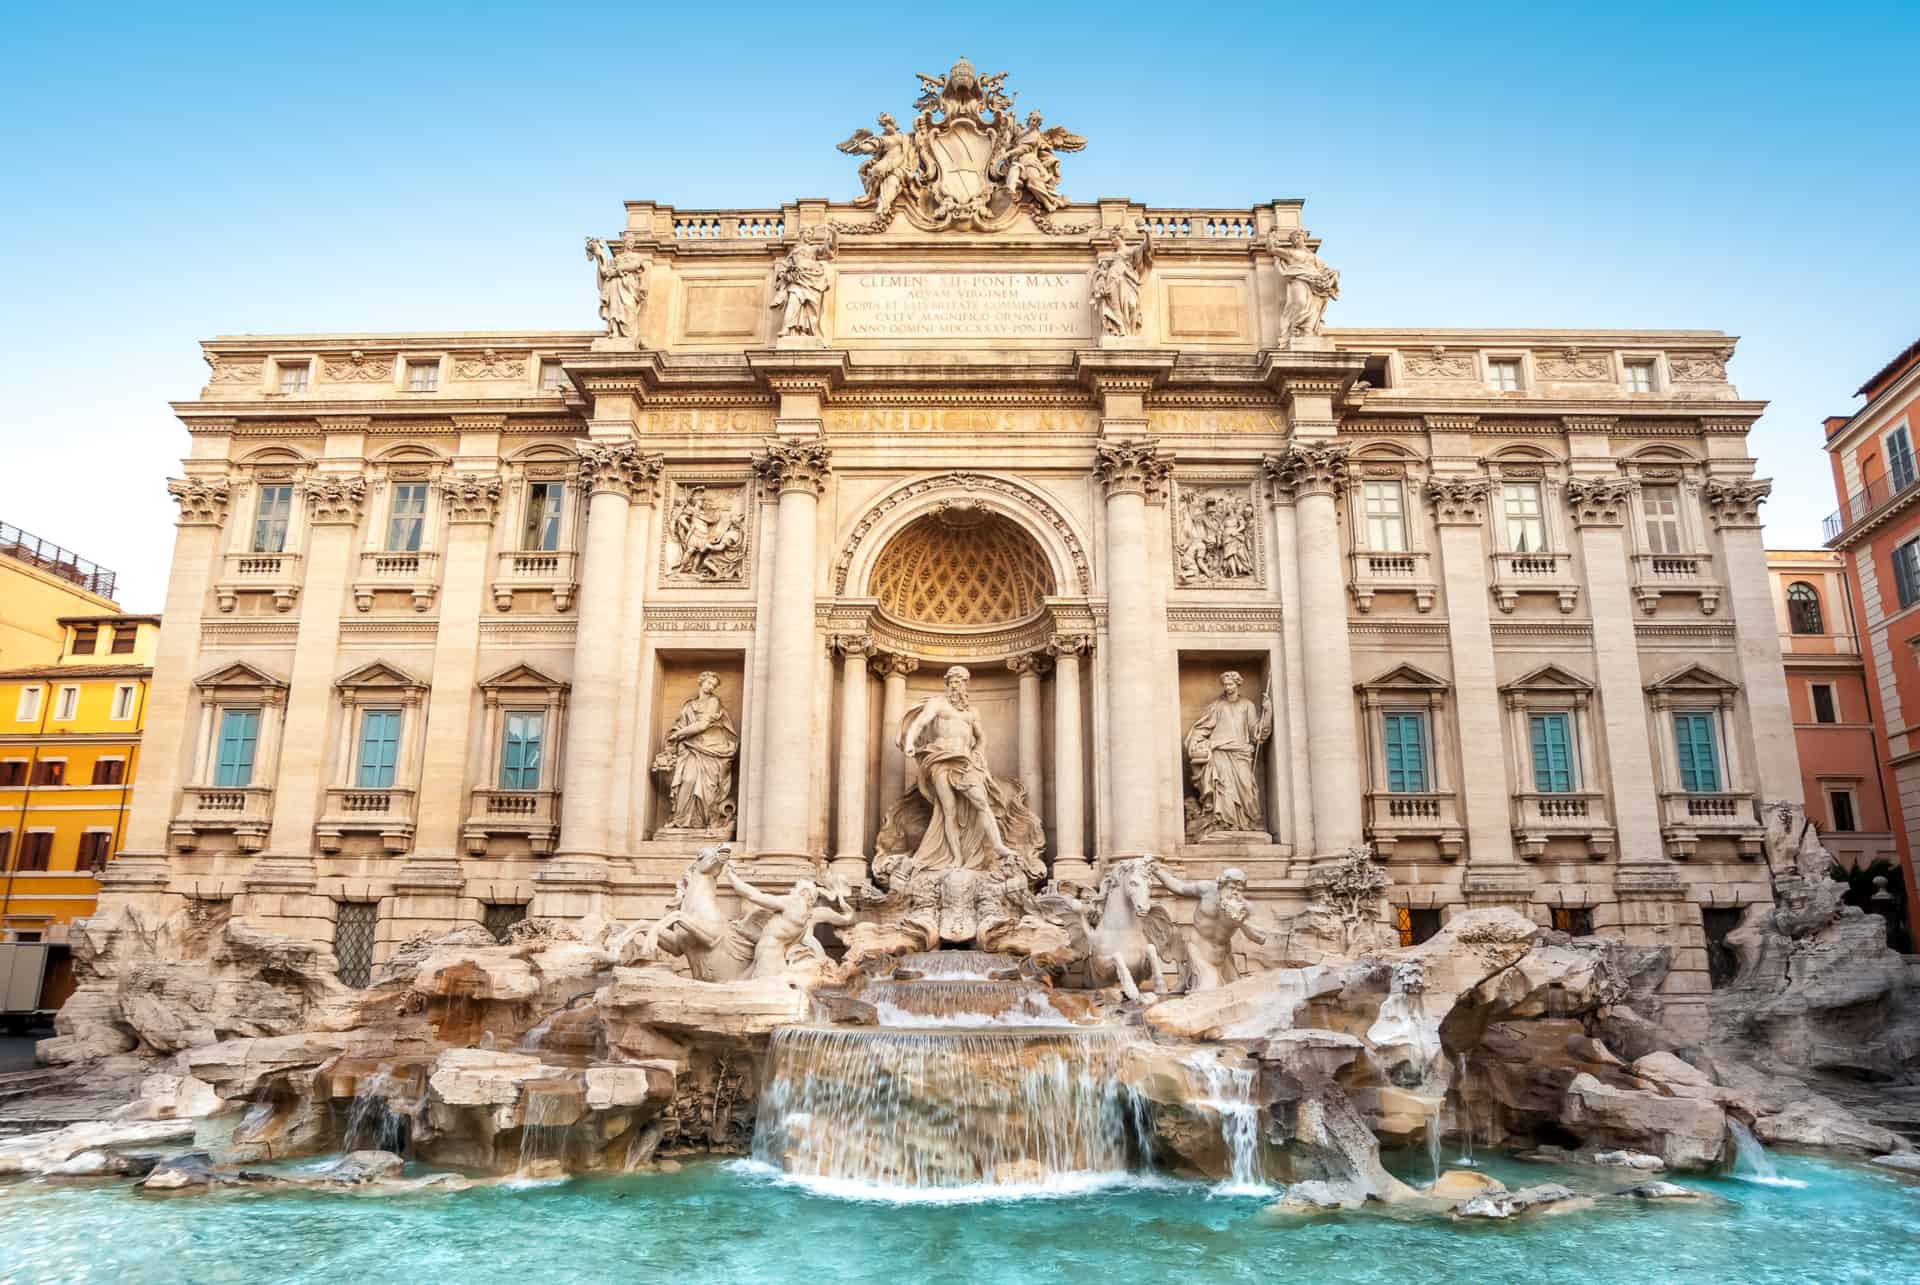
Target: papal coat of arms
[{"x": 968, "y": 162}]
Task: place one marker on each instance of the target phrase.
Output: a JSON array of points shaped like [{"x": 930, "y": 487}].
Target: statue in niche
[
  {"x": 697, "y": 762},
  {"x": 621, "y": 277},
  {"x": 1223, "y": 911},
  {"x": 1115, "y": 283},
  {"x": 801, "y": 282},
  {"x": 708, "y": 538},
  {"x": 788, "y": 924},
  {"x": 1307, "y": 283},
  {"x": 1215, "y": 536},
  {"x": 1221, "y": 747}
]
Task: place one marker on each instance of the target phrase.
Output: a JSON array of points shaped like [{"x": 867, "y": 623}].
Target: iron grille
[
  {"x": 353, "y": 940},
  {"x": 499, "y": 918}
]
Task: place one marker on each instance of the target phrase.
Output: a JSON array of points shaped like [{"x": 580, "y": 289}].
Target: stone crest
[{"x": 967, "y": 163}]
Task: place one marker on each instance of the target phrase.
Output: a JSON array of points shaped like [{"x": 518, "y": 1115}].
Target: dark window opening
[
  {"x": 1718, "y": 921},
  {"x": 1840, "y": 811},
  {"x": 86, "y": 640},
  {"x": 94, "y": 845},
  {"x": 36, "y": 850},
  {"x": 50, "y": 772},
  {"x": 13, "y": 772},
  {"x": 499, "y": 918},
  {"x": 353, "y": 941},
  {"x": 1574, "y": 920},
  {"x": 123, "y": 639},
  {"x": 1824, "y": 710},
  {"x": 1803, "y": 608},
  {"x": 109, "y": 771}
]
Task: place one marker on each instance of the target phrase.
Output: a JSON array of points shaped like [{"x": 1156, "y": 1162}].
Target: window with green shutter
[
  {"x": 239, "y": 732},
  {"x": 379, "y": 748},
  {"x": 1404, "y": 734},
  {"x": 520, "y": 750},
  {"x": 1552, "y": 753},
  {"x": 1699, "y": 757}
]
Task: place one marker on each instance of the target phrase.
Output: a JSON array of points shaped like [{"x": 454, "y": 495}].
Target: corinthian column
[
  {"x": 893, "y": 669},
  {"x": 1069, "y": 771},
  {"x": 1733, "y": 505},
  {"x": 1129, "y": 470},
  {"x": 849, "y": 857},
  {"x": 1029, "y": 667},
  {"x": 1314, "y": 472},
  {"x": 798, "y": 470},
  {"x": 609, "y": 474}
]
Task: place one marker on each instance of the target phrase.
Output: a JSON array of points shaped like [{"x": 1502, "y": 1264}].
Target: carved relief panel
[
  {"x": 1216, "y": 534},
  {"x": 707, "y": 531}
]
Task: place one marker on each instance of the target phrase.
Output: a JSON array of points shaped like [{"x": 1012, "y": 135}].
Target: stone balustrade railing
[
  {"x": 729, "y": 225},
  {"x": 1208, "y": 225}
]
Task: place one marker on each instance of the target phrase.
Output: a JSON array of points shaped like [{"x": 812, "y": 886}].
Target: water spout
[
  {"x": 1229, "y": 1091},
  {"x": 1464, "y": 1113},
  {"x": 1751, "y": 1163}
]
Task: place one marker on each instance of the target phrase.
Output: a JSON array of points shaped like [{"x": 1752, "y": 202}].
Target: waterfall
[
  {"x": 961, "y": 1001},
  {"x": 1466, "y": 1113},
  {"x": 1751, "y": 1163},
  {"x": 1433, "y": 1144},
  {"x": 1229, "y": 1091},
  {"x": 930, "y": 1109},
  {"x": 552, "y": 1108}
]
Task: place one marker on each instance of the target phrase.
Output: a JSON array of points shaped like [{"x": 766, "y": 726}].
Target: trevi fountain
[{"x": 1228, "y": 987}]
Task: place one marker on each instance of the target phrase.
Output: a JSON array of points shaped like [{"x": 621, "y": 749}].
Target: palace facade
[{"x": 465, "y": 627}]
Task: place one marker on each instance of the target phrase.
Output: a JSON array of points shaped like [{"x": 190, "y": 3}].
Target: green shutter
[
  {"x": 379, "y": 748},
  {"x": 1552, "y": 753},
  {"x": 239, "y": 732},
  {"x": 520, "y": 752},
  {"x": 1405, "y": 736},
  {"x": 1699, "y": 757}
]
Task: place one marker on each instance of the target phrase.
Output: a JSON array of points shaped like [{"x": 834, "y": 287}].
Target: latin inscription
[
  {"x": 962, "y": 305},
  {"x": 959, "y": 419}
]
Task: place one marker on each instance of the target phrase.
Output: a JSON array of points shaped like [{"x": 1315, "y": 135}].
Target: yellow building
[
  {"x": 40, "y": 583},
  {"x": 69, "y": 750}
]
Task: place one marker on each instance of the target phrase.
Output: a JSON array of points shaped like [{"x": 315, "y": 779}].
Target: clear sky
[{"x": 180, "y": 171}]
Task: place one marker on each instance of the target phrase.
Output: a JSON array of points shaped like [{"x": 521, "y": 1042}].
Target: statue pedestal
[
  {"x": 781, "y": 869},
  {"x": 1241, "y": 837}
]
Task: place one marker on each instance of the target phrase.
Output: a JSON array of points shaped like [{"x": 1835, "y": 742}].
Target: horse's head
[
  {"x": 1130, "y": 879},
  {"x": 711, "y": 859}
]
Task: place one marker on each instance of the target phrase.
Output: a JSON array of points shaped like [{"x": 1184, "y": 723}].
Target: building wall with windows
[
  {"x": 1876, "y": 532},
  {"x": 39, "y": 583},
  {"x": 70, "y": 736}
]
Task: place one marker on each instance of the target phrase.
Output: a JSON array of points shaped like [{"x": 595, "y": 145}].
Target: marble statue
[
  {"x": 943, "y": 737},
  {"x": 707, "y": 538},
  {"x": 891, "y": 160},
  {"x": 621, "y": 276},
  {"x": 1114, "y": 284},
  {"x": 698, "y": 764},
  {"x": 789, "y": 923},
  {"x": 694, "y": 926},
  {"x": 1132, "y": 941},
  {"x": 1307, "y": 285},
  {"x": 801, "y": 282},
  {"x": 1221, "y": 747},
  {"x": 1214, "y": 542},
  {"x": 1024, "y": 160},
  {"x": 1223, "y": 911}
]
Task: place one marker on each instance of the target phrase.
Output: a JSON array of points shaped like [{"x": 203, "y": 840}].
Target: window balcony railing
[
  {"x": 387, "y": 812},
  {"x": 244, "y": 811},
  {"x": 24, "y": 546},
  {"x": 415, "y": 573},
  {"x": 1545, "y": 573},
  {"x": 1375, "y": 573},
  {"x": 1864, "y": 503},
  {"x": 274, "y": 573},
  {"x": 1429, "y": 814},
  {"x": 1541, "y": 815},
  {"x": 524, "y": 570},
  {"x": 1819, "y": 645},
  {"x": 1655, "y": 574},
  {"x": 530, "y": 814},
  {"x": 1687, "y": 816}
]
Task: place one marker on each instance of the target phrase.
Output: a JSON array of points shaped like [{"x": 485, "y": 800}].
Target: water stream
[{"x": 1751, "y": 1163}]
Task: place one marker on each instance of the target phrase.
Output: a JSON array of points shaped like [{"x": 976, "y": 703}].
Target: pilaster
[
  {"x": 1733, "y": 506},
  {"x": 1130, "y": 471}
]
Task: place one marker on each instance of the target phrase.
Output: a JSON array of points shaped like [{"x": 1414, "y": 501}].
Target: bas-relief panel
[
  {"x": 708, "y": 532},
  {"x": 1216, "y": 535}
]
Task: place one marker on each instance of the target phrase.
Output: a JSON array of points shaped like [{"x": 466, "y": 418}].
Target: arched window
[{"x": 1803, "y": 608}]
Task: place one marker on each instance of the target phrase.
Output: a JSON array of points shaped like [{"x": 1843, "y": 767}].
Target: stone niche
[
  {"x": 1200, "y": 686},
  {"x": 676, "y": 680}
]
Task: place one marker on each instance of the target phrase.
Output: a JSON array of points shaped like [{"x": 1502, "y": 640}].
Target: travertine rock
[
  {"x": 39, "y": 1152},
  {"x": 1253, "y": 1008},
  {"x": 1685, "y": 1132},
  {"x": 629, "y": 1086},
  {"x": 1817, "y": 1122},
  {"x": 680, "y": 1005}
]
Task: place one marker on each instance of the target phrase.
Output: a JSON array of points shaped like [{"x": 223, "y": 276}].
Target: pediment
[
  {"x": 1549, "y": 678},
  {"x": 522, "y": 677},
  {"x": 1406, "y": 678},
  {"x": 379, "y": 674},
  {"x": 240, "y": 674},
  {"x": 1694, "y": 678}
]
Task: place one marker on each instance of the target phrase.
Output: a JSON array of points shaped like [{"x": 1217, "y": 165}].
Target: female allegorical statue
[
  {"x": 1221, "y": 748},
  {"x": 699, "y": 755}
]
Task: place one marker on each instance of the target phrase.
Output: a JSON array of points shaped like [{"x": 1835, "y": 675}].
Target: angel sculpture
[
  {"x": 890, "y": 161},
  {"x": 1025, "y": 161}
]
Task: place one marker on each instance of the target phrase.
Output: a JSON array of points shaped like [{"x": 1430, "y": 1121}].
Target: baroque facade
[{"x": 467, "y": 626}]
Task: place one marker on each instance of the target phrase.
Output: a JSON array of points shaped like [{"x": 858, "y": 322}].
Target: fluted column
[
  {"x": 628, "y": 785},
  {"x": 1129, "y": 470},
  {"x": 609, "y": 473},
  {"x": 1070, "y": 863},
  {"x": 1029, "y": 667},
  {"x": 1733, "y": 505},
  {"x": 849, "y": 856},
  {"x": 893, "y": 669},
  {"x": 1315, "y": 473},
  {"x": 798, "y": 470}
]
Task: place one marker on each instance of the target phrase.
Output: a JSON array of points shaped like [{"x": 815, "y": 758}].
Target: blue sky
[{"x": 183, "y": 171}]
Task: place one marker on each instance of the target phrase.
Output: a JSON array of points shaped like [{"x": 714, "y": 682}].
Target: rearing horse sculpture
[
  {"x": 697, "y": 929},
  {"x": 1132, "y": 942}
]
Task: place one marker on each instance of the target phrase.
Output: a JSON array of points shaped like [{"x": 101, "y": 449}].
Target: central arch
[{"x": 961, "y": 567}]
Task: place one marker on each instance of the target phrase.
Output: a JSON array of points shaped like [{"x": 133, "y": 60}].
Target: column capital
[
  {"x": 1030, "y": 662},
  {"x": 471, "y": 497},
  {"x": 333, "y": 498},
  {"x": 1132, "y": 466},
  {"x": 1070, "y": 646},
  {"x": 618, "y": 467},
  {"x": 202, "y": 500},
  {"x": 886, "y": 664},
  {"x": 1735, "y": 502},
  {"x": 1307, "y": 468},
  {"x": 1600, "y": 501},
  {"x": 850, "y": 646},
  {"x": 790, "y": 464},
  {"x": 1459, "y": 501}
]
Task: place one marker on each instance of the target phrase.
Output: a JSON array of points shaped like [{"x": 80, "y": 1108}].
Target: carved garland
[{"x": 966, "y": 482}]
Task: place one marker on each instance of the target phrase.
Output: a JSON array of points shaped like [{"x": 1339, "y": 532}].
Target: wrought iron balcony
[
  {"x": 1864, "y": 503},
  {"x": 24, "y": 546}
]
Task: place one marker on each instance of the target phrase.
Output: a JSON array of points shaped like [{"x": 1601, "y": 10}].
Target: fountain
[{"x": 1751, "y": 1163}]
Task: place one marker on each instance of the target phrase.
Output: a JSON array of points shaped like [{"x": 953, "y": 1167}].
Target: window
[
  {"x": 408, "y": 519},
  {"x": 109, "y": 771},
  {"x": 270, "y": 518},
  {"x": 1386, "y": 517},
  {"x": 1699, "y": 758},
  {"x": 1639, "y": 376},
  {"x": 293, "y": 376},
  {"x": 1661, "y": 504},
  {"x": 423, "y": 376},
  {"x": 122, "y": 703},
  {"x": 543, "y": 516},
  {"x": 50, "y": 772},
  {"x": 552, "y": 378},
  {"x": 94, "y": 846},
  {"x": 1404, "y": 736},
  {"x": 1503, "y": 374},
  {"x": 36, "y": 850},
  {"x": 1552, "y": 742},
  {"x": 124, "y": 638},
  {"x": 239, "y": 734},
  {"x": 28, "y": 708},
  {"x": 86, "y": 640},
  {"x": 6, "y": 847},
  {"x": 1722, "y": 964},
  {"x": 1906, "y": 573},
  {"x": 66, "y": 704},
  {"x": 1899, "y": 458},
  {"x": 13, "y": 773},
  {"x": 1803, "y": 608},
  {"x": 353, "y": 925},
  {"x": 1526, "y": 524},
  {"x": 1416, "y": 926},
  {"x": 520, "y": 749},
  {"x": 1840, "y": 812},
  {"x": 499, "y": 918},
  {"x": 1824, "y": 709},
  {"x": 1576, "y": 921},
  {"x": 379, "y": 748}
]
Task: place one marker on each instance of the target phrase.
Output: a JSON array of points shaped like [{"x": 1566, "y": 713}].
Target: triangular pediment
[
  {"x": 240, "y": 674},
  {"x": 524, "y": 677},
  {"x": 379, "y": 674},
  {"x": 1406, "y": 678},
  {"x": 1549, "y": 678},
  {"x": 1693, "y": 678}
]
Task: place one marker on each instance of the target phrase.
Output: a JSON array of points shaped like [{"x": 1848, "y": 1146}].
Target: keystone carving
[
  {"x": 203, "y": 501},
  {"x": 1132, "y": 467},
  {"x": 1307, "y": 468},
  {"x": 1735, "y": 503},
  {"x": 1600, "y": 501}
]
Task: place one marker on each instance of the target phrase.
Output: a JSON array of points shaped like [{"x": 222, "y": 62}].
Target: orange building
[{"x": 1876, "y": 533}]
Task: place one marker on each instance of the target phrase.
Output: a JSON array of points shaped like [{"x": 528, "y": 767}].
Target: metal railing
[
  {"x": 24, "y": 546},
  {"x": 1864, "y": 503}
]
